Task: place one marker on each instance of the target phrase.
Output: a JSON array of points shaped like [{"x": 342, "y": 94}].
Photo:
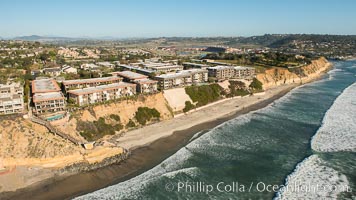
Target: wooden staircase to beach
[{"x": 56, "y": 131}]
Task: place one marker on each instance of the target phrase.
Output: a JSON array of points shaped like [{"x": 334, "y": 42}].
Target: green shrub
[
  {"x": 256, "y": 85},
  {"x": 145, "y": 114},
  {"x": 130, "y": 124},
  {"x": 204, "y": 94},
  {"x": 188, "y": 106},
  {"x": 237, "y": 88},
  {"x": 92, "y": 131},
  {"x": 115, "y": 117}
]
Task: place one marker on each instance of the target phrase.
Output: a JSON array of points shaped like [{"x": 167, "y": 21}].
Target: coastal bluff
[
  {"x": 281, "y": 76},
  {"x": 125, "y": 110}
]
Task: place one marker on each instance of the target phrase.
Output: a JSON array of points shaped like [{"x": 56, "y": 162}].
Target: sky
[{"x": 167, "y": 18}]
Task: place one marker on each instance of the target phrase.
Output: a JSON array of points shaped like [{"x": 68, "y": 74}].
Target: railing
[{"x": 54, "y": 130}]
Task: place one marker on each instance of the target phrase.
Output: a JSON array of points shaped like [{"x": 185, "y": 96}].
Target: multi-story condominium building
[
  {"x": 137, "y": 69},
  {"x": 49, "y": 102},
  {"x": 129, "y": 76},
  {"x": 47, "y": 96},
  {"x": 146, "y": 86},
  {"x": 182, "y": 78},
  {"x": 245, "y": 72},
  {"x": 143, "y": 83},
  {"x": 159, "y": 67},
  {"x": 11, "y": 98},
  {"x": 83, "y": 83},
  {"x": 189, "y": 65},
  {"x": 102, "y": 93},
  {"x": 166, "y": 68},
  {"x": 230, "y": 72}
]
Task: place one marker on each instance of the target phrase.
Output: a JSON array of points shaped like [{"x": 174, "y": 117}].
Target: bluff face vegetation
[
  {"x": 92, "y": 131},
  {"x": 145, "y": 114},
  {"x": 237, "y": 88},
  {"x": 256, "y": 85},
  {"x": 204, "y": 94},
  {"x": 188, "y": 106}
]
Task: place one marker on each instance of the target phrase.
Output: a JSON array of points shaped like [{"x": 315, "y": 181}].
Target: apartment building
[
  {"x": 84, "y": 83},
  {"x": 229, "y": 72},
  {"x": 182, "y": 78},
  {"x": 245, "y": 72},
  {"x": 11, "y": 98},
  {"x": 137, "y": 69},
  {"x": 166, "y": 68},
  {"x": 143, "y": 83},
  {"x": 159, "y": 67},
  {"x": 47, "y": 96},
  {"x": 189, "y": 65},
  {"x": 91, "y": 95}
]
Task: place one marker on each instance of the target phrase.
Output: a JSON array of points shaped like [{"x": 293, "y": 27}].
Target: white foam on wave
[
  {"x": 195, "y": 136},
  {"x": 191, "y": 171},
  {"x": 333, "y": 71},
  {"x": 311, "y": 179},
  {"x": 170, "y": 167},
  {"x": 338, "y": 130},
  {"x": 131, "y": 189}
]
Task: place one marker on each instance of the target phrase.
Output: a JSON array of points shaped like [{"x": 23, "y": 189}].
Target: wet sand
[{"x": 141, "y": 160}]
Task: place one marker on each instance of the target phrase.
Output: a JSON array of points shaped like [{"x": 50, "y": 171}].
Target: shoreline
[
  {"x": 142, "y": 158},
  {"x": 147, "y": 153}
]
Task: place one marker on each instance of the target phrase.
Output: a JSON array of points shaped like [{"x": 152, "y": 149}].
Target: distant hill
[
  {"x": 284, "y": 40},
  {"x": 45, "y": 38}
]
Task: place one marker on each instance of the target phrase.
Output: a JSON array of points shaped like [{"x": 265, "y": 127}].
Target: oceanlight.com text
[{"x": 236, "y": 187}]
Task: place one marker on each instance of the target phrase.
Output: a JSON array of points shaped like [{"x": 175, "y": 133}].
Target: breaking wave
[
  {"x": 311, "y": 179},
  {"x": 338, "y": 130}
]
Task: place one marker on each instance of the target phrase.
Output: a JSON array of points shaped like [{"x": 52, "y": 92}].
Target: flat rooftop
[
  {"x": 47, "y": 96},
  {"x": 45, "y": 85},
  {"x": 8, "y": 86},
  {"x": 101, "y": 88},
  {"x": 91, "y": 80},
  {"x": 130, "y": 75},
  {"x": 183, "y": 73},
  {"x": 143, "y": 81},
  {"x": 165, "y": 67},
  {"x": 137, "y": 69},
  {"x": 195, "y": 64},
  {"x": 220, "y": 67}
]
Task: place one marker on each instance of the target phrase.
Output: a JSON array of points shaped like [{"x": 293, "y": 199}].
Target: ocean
[{"x": 264, "y": 154}]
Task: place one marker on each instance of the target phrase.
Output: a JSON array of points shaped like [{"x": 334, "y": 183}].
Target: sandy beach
[
  {"x": 146, "y": 135},
  {"x": 146, "y": 145}
]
